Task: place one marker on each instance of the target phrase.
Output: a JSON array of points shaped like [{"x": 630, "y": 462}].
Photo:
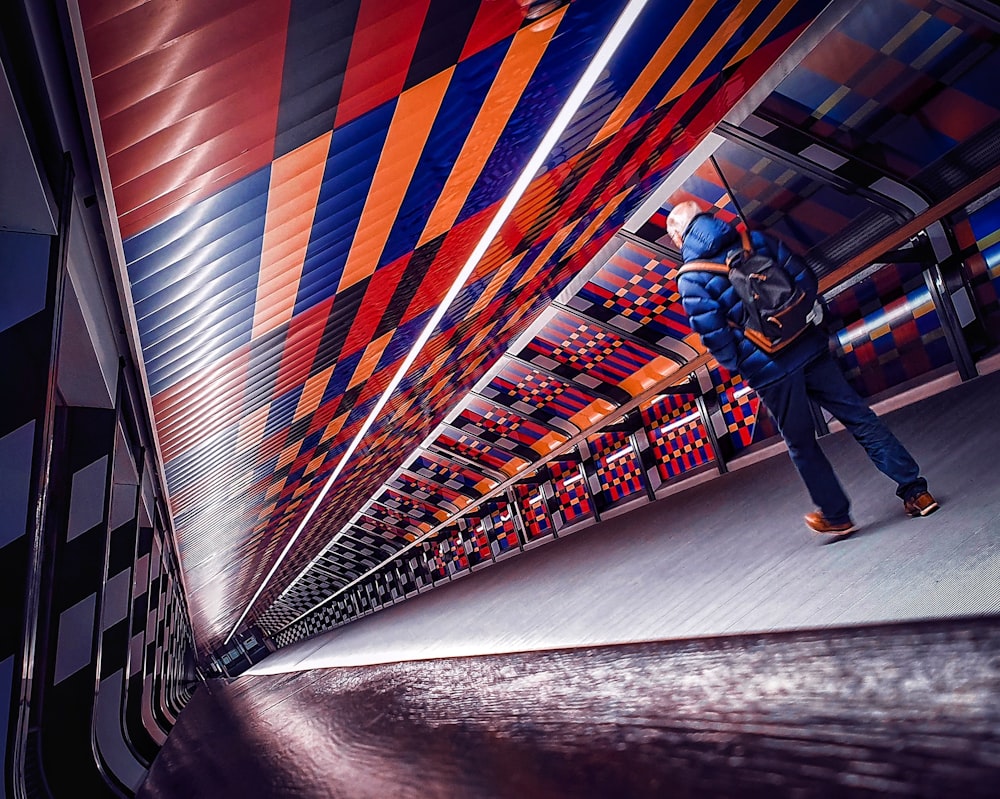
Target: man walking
[{"x": 785, "y": 380}]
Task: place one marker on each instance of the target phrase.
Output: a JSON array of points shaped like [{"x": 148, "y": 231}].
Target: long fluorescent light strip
[{"x": 559, "y": 125}]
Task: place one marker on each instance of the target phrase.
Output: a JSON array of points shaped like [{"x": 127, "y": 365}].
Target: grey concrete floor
[{"x": 728, "y": 556}]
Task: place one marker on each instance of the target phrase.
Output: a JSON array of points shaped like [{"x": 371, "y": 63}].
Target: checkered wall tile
[
  {"x": 978, "y": 236},
  {"x": 572, "y": 501},
  {"x": 636, "y": 291},
  {"x": 476, "y": 538},
  {"x": 397, "y": 518},
  {"x": 383, "y": 529},
  {"x": 894, "y": 344},
  {"x": 677, "y": 434},
  {"x": 596, "y": 357},
  {"x": 617, "y": 466},
  {"x": 412, "y": 507},
  {"x": 739, "y": 406},
  {"x": 503, "y": 528},
  {"x": 534, "y": 511}
]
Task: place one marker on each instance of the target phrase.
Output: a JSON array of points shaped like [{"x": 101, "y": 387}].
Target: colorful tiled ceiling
[
  {"x": 296, "y": 184},
  {"x": 384, "y": 530},
  {"x": 596, "y": 357},
  {"x": 509, "y": 430},
  {"x": 488, "y": 455},
  {"x": 898, "y": 83},
  {"x": 440, "y": 496},
  {"x": 546, "y": 397},
  {"x": 450, "y": 473},
  {"x": 792, "y": 204},
  {"x": 636, "y": 291}
]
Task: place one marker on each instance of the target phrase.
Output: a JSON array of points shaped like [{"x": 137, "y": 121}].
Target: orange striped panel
[
  {"x": 489, "y": 293},
  {"x": 288, "y": 454},
  {"x": 370, "y": 359},
  {"x": 291, "y": 206},
  {"x": 591, "y": 230},
  {"x": 649, "y": 375},
  {"x": 536, "y": 201},
  {"x": 711, "y": 49},
  {"x": 312, "y": 394},
  {"x": 416, "y": 110},
  {"x": 252, "y": 429},
  {"x": 313, "y": 465},
  {"x": 548, "y": 442},
  {"x": 544, "y": 255},
  {"x": 763, "y": 31},
  {"x": 676, "y": 39},
  {"x": 526, "y": 50}
]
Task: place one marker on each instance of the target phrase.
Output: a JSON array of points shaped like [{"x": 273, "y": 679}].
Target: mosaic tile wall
[
  {"x": 572, "y": 500},
  {"x": 891, "y": 330},
  {"x": 677, "y": 435},
  {"x": 617, "y": 467},
  {"x": 537, "y": 521},
  {"x": 978, "y": 236}
]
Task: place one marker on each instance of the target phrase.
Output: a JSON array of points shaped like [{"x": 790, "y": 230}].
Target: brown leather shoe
[
  {"x": 818, "y": 523},
  {"x": 920, "y": 504}
]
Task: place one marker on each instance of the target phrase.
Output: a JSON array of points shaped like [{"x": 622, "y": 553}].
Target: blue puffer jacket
[{"x": 711, "y": 303}]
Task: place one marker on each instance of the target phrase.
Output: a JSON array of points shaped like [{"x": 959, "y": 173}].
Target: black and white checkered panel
[
  {"x": 179, "y": 651},
  {"x": 117, "y": 752},
  {"x": 79, "y": 517},
  {"x": 145, "y": 740},
  {"x": 151, "y": 717},
  {"x": 26, "y": 318},
  {"x": 164, "y": 637}
]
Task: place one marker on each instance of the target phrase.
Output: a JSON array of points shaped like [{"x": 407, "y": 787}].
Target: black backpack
[{"x": 777, "y": 311}]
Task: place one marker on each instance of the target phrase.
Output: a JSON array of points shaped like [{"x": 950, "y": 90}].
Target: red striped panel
[
  {"x": 170, "y": 99},
  {"x": 455, "y": 251},
  {"x": 496, "y": 20},
  {"x": 304, "y": 335},
  {"x": 376, "y": 73},
  {"x": 373, "y": 306}
]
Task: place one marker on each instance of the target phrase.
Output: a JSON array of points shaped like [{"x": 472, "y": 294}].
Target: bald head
[{"x": 679, "y": 219}]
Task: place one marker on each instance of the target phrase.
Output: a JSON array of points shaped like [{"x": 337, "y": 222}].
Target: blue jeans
[{"x": 787, "y": 400}]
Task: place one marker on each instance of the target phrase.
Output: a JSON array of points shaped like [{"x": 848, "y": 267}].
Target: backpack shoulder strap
[
  {"x": 745, "y": 238},
  {"x": 704, "y": 266}
]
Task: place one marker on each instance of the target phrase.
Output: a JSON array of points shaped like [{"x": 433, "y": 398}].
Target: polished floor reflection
[
  {"x": 895, "y": 710},
  {"x": 693, "y": 648}
]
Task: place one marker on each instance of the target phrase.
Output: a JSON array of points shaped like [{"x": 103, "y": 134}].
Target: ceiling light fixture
[{"x": 590, "y": 76}]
